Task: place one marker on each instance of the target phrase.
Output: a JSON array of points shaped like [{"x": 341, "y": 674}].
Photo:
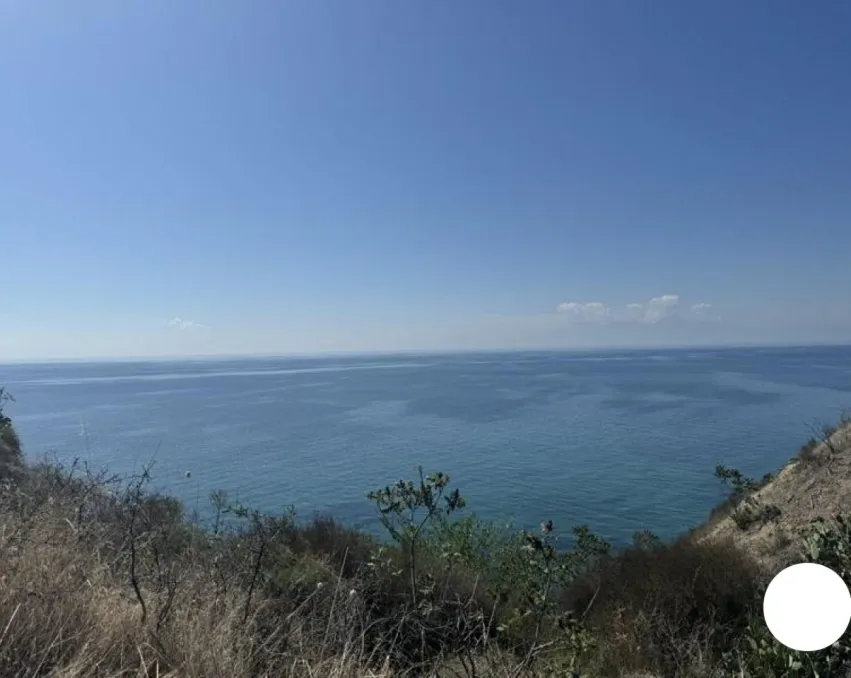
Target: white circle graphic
[{"x": 807, "y": 607}]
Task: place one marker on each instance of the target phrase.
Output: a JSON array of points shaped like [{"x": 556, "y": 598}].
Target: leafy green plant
[
  {"x": 830, "y": 545},
  {"x": 539, "y": 619},
  {"x": 407, "y": 510}
]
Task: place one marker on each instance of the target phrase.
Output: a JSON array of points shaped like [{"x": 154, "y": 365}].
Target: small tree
[
  {"x": 739, "y": 484},
  {"x": 407, "y": 508},
  {"x": 547, "y": 572}
]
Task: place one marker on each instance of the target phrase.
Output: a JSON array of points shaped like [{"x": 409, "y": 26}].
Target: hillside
[{"x": 777, "y": 517}]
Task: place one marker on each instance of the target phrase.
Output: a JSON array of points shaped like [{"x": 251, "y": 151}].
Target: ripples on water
[{"x": 619, "y": 440}]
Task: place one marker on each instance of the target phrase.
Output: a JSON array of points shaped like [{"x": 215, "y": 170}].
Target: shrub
[
  {"x": 807, "y": 453},
  {"x": 434, "y": 607},
  {"x": 740, "y": 485},
  {"x": 740, "y": 488},
  {"x": 11, "y": 457},
  {"x": 751, "y": 512},
  {"x": 659, "y": 608},
  {"x": 829, "y": 544}
]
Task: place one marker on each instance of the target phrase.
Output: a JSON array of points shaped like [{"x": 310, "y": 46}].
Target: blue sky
[{"x": 275, "y": 177}]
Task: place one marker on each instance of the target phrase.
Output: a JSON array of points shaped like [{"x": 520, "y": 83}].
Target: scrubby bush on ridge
[
  {"x": 101, "y": 576},
  {"x": 11, "y": 458}
]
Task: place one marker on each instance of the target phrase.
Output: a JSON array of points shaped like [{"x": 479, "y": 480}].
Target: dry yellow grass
[{"x": 65, "y": 613}]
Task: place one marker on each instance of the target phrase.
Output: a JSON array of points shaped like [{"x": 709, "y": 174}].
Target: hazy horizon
[{"x": 421, "y": 352}]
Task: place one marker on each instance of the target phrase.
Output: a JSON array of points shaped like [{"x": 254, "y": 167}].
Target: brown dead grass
[
  {"x": 669, "y": 609},
  {"x": 66, "y": 614},
  {"x": 68, "y": 607}
]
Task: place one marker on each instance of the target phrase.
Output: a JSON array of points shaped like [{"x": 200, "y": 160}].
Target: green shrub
[{"x": 829, "y": 544}]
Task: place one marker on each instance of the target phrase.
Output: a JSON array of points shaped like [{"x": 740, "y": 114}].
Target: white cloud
[
  {"x": 182, "y": 324},
  {"x": 659, "y": 308},
  {"x": 592, "y": 311},
  {"x": 650, "y": 312}
]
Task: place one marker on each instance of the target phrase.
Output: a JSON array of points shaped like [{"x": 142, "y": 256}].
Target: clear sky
[{"x": 187, "y": 177}]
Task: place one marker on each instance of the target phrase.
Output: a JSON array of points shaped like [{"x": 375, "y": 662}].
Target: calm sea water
[{"x": 621, "y": 441}]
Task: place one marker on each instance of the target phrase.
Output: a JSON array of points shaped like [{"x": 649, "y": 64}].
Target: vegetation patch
[{"x": 102, "y": 576}]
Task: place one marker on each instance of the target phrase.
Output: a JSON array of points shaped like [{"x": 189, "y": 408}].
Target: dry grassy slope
[{"x": 803, "y": 491}]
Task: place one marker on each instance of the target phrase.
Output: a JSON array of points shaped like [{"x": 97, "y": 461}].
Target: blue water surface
[{"x": 621, "y": 441}]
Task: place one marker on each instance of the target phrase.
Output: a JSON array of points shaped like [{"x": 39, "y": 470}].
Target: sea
[{"x": 620, "y": 441}]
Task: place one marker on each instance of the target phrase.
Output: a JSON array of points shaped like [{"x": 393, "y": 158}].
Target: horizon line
[{"x": 413, "y": 352}]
